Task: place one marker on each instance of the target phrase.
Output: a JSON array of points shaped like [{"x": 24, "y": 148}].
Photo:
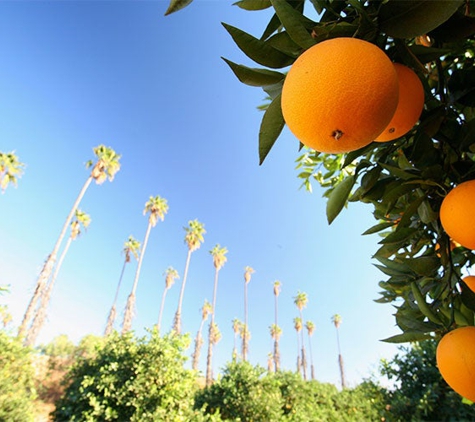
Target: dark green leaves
[
  {"x": 253, "y": 4},
  {"x": 411, "y": 18}
]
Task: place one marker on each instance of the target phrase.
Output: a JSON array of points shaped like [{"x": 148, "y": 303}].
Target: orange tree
[{"x": 404, "y": 180}]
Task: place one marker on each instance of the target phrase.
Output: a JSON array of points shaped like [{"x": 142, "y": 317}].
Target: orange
[
  {"x": 457, "y": 214},
  {"x": 410, "y": 105},
  {"x": 456, "y": 360},
  {"x": 470, "y": 282},
  {"x": 339, "y": 95}
]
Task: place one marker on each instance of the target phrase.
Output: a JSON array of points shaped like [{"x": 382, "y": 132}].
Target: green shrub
[
  {"x": 17, "y": 392},
  {"x": 130, "y": 379}
]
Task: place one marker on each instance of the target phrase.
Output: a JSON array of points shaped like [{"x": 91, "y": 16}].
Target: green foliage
[
  {"x": 247, "y": 393},
  {"x": 133, "y": 379},
  {"x": 17, "y": 391},
  {"x": 243, "y": 393},
  {"x": 420, "y": 393}
]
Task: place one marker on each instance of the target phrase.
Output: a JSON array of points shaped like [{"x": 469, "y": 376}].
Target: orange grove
[
  {"x": 339, "y": 95},
  {"x": 410, "y": 105}
]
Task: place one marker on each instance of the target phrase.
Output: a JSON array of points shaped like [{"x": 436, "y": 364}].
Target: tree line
[{"x": 104, "y": 167}]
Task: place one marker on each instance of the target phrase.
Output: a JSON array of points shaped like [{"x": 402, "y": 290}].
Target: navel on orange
[
  {"x": 339, "y": 95},
  {"x": 410, "y": 105},
  {"x": 457, "y": 214},
  {"x": 456, "y": 360}
]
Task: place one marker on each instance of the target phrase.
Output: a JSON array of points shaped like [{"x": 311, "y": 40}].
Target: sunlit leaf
[
  {"x": 259, "y": 51},
  {"x": 254, "y": 77},
  {"x": 271, "y": 127},
  {"x": 253, "y": 4},
  {"x": 338, "y": 198},
  {"x": 295, "y": 23},
  {"x": 176, "y": 5},
  {"x": 407, "y": 337}
]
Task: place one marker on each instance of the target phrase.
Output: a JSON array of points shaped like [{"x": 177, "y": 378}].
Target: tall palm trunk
[
  {"x": 209, "y": 368},
  {"x": 304, "y": 357},
  {"x": 198, "y": 344},
  {"x": 162, "y": 305},
  {"x": 244, "y": 334},
  {"x": 340, "y": 362},
  {"x": 48, "y": 266},
  {"x": 312, "y": 369},
  {"x": 113, "y": 311},
  {"x": 130, "y": 306},
  {"x": 276, "y": 339},
  {"x": 40, "y": 316},
  {"x": 177, "y": 321},
  {"x": 299, "y": 359}
]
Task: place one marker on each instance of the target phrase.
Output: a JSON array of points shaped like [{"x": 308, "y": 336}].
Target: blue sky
[{"x": 78, "y": 74}]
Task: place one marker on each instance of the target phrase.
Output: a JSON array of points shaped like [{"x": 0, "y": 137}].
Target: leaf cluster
[{"x": 406, "y": 180}]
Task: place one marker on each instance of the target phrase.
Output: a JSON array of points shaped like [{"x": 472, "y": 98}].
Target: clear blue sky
[{"x": 78, "y": 74}]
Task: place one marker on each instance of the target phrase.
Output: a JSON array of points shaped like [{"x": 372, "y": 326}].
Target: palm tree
[
  {"x": 82, "y": 219},
  {"x": 277, "y": 287},
  {"x": 298, "y": 328},
  {"x": 131, "y": 247},
  {"x": 205, "y": 311},
  {"x": 276, "y": 332},
  {"x": 301, "y": 302},
  {"x": 270, "y": 361},
  {"x": 336, "y": 319},
  {"x": 170, "y": 275},
  {"x": 219, "y": 259},
  {"x": 237, "y": 326},
  {"x": 106, "y": 166},
  {"x": 310, "y": 326},
  {"x": 10, "y": 169},
  {"x": 248, "y": 271},
  {"x": 156, "y": 207},
  {"x": 194, "y": 237}
]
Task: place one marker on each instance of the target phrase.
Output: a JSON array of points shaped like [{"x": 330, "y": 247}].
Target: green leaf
[
  {"x": 424, "y": 265},
  {"x": 424, "y": 307},
  {"x": 253, "y": 4},
  {"x": 411, "y": 18},
  {"x": 377, "y": 228},
  {"x": 295, "y": 23},
  {"x": 338, "y": 198},
  {"x": 398, "y": 236},
  {"x": 176, "y": 5},
  {"x": 257, "y": 50},
  {"x": 400, "y": 267},
  {"x": 254, "y": 77},
  {"x": 462, "y": 87},
  {"x": 408, "y": 336},
  {"x": 414, "y": 324},
  {"x": 271, "y": 127},
  {"x": 396, "y": 171},
  {"x": 428, "y": 54}
]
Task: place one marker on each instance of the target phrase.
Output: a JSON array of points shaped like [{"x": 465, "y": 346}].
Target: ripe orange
[
  {"x": 410, "y": 105},
  {"x": 456, "y": 360},
  {"x": 470, "y": 282},
  {"x": 339, "y": 95},
  {"x": 457, "y": 214}
]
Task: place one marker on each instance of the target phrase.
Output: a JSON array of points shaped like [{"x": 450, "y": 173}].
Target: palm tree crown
[
  {"x": 106, "y": 166},
  {"x": 156, "y": 207},
  {"x": 10, "y": 169},
  {"x": 194, "y": 236},
  {"x": 131, "y": 246},
  {"x": 219, "y": 256}
]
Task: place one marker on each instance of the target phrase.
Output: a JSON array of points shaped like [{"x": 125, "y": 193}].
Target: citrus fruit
[
  {"x": 339, "y": 95},
  {"x": 470, "y": 282},
  {"x": 410, "y": 105},
  {"x": 457, "y": 214},
  {"x": 456, "y": 360}
]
